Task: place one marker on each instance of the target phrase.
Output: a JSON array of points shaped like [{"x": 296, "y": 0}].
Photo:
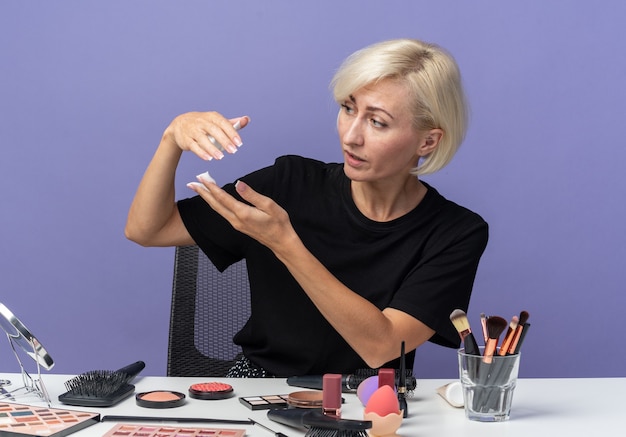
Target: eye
[
  {"x": 377, "y": 123},
  {"x": 347, "y": 108}
]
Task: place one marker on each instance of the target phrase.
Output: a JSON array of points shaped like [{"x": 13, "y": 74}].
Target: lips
[{"x": 352, "y": 159}]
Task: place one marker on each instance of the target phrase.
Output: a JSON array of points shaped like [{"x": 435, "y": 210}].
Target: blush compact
[
  {"x": 210, "y": 391},
  {"x": 305, "y": 399},
  {"x": 160, "y": 399}
]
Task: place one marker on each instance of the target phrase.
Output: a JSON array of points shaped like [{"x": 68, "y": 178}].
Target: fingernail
[
  {"x": 195, "y": 186},
  {"x": 205, "y": 177}
]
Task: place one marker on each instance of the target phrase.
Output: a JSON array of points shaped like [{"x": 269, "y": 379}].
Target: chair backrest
[{"x": 208, "y": 308}]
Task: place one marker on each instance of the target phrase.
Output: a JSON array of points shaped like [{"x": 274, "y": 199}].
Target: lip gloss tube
[{"x": 331, "y": 395}]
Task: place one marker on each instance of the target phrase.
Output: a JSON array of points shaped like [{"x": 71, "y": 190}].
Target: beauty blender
[
  {"x": 383, "y": 410},
  {"x": 383, "y": 402},
  {"x": 366, "y": 388}
]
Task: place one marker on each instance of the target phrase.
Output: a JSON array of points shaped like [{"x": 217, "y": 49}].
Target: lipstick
[{"x": 331, "y": 395}]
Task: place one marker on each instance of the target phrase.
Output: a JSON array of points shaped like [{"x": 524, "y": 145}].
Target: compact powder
[
  {"x": 305, "y": 399},
  {"x": 160, "y": 399},
  {"x": 211, "y": 391}
]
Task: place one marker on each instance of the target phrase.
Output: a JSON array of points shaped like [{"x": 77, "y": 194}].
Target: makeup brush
[
  {"x": 525, "y": 328},
  {"x": 101, "y": 388},
  {"x": 523, "y": 317},
  {"x": 402, "y": 383},
  {"x": 495, "y": 326},
  {"x": 460, "y": 322},
  {"x": 483, "y": 324},
  {"x": 277, "y": 434},
  {"x": 508, "y": 337}
]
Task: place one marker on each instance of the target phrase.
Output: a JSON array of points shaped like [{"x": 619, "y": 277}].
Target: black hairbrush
[
  {"x": 349, "y": 383},
  {"x": 101, "y": 388},
  {"x": 318, "y": 424}
]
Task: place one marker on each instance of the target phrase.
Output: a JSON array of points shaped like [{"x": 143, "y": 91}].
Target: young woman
[{"x": 346, "y": 260}]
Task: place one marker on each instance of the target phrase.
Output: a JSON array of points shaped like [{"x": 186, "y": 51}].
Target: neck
[{"x": 382, "y": 203}]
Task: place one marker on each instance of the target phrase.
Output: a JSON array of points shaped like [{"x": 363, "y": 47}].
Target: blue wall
[{"x": 87, "y": 88}]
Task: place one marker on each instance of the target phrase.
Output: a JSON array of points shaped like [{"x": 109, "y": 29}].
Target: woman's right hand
[{"x": 191, "y": 131}]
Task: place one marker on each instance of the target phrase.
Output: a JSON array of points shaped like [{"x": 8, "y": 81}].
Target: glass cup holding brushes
[
  {"x": 488, "y": 387},
  {"x": 489, "y": 373}
]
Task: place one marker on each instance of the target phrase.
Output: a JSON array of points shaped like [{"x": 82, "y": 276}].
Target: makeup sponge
[
  {"x": 383, "y": 410},
  {"x": 366, "y": 388},
  {"x": 383, "y": 401}
]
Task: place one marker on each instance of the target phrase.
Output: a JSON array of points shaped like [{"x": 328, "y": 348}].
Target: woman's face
[{"x": 377, "y": 135}]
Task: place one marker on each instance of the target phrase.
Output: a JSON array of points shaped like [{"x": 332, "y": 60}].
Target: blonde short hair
[{"x": 434, "y": 82}]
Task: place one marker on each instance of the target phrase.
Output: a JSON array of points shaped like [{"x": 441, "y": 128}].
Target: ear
[{"x": 429, "y": 142}]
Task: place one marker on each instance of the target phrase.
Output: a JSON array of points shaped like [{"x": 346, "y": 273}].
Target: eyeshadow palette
[
  {"x": 265, "y": 402},
  {"x": 21, "y": 420},
  {"x": 121, "y": 430}
]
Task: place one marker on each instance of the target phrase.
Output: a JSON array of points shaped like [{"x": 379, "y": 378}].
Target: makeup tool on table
[
  {"x": 514, "y": 348},
  {"x": 520, "y": 332},
  {"x": 21, "y": 338},
  {"x": 462, "y": 325},
  {"x": 350, "y": 382},
  {"x": 278, "y": 434},
  {"x": 122, "y": 418},
  {"x": 318, "y": 424},
  {"x": 495, "y": 326},
  {"x": 487, "y": 368},
  {"x": 128, "y": 430},
  {"x": 493, "y": 371},
  {"x": 160, "y": 399},
  {"x": 331, "y": 395},
  {"x": 296, "y": 399},
  {"x": 265, "y": 402},
  {"x": 211, "y": 391},
  {"x": 386, "y": 376},
  {"x": 500, "y": 373},
  {"x": 508, "y": 337},
  {"x": 370, "y": 385},
  {"x": 101, "y": 388},
  {"x": 383, "y": 410},
  {"x": 21, "y": 420},
  {"x": 483, "y": 325},
  {"x": 305, "y": 399},
  {"x": 402, "y": 383},
  {"x": 452, "y": 392},
  {"x": 3, "y": 391}
]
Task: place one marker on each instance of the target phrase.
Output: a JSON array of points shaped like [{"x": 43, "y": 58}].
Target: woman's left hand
[{"x": 265, "y": 220}]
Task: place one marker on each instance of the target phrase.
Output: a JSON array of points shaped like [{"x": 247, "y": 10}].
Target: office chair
[{"x": 208, "y": 308}]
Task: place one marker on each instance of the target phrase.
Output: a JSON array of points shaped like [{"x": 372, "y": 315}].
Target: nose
[{"x": 351, "y": 131}]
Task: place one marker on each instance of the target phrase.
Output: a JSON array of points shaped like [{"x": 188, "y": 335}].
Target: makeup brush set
[
  {"x": 491, "y": 371},
  {"x": 492, "y": 329}
]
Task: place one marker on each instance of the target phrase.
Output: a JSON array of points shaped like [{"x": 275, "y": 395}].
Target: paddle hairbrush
[
  {"x": 101, "y": 388},
  {"x": 319, "y": 424}
]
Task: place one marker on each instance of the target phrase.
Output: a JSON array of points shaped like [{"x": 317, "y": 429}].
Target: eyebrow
[{"x": 372, "y": 108}]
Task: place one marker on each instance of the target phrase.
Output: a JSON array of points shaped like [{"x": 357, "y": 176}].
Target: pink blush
[
  {"x": 160, "y": 399},
  {"x": 160, "y": 396}
]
